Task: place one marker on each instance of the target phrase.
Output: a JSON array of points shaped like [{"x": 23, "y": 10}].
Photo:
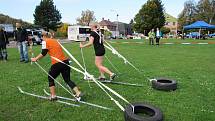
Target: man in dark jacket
[
  {"x": 3, "y": 42},
  {"x": 21, "y": 37}
]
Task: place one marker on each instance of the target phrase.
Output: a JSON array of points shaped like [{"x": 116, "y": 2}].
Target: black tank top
[{"x": 98, "y": 43}]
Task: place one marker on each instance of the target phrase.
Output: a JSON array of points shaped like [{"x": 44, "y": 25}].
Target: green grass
[{"x": 191, "y": 65}]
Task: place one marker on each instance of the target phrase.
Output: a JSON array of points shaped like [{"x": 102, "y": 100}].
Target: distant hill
[{"x": 5, "y": 19}]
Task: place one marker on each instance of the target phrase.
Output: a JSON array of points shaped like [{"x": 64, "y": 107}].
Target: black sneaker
[
  {"x": 112, "y": 77},
  {"x": 53, "y": 98}
]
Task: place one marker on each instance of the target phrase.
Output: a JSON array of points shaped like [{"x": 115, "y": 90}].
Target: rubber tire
[
  {"x": 156, "y": 114},
  {"x": 164, "y": 84}
]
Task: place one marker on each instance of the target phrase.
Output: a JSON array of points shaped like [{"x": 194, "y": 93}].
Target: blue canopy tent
[{"x": 199, "y": 25}]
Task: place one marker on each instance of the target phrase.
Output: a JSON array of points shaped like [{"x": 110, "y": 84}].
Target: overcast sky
[{"x": 71, "y": 9}]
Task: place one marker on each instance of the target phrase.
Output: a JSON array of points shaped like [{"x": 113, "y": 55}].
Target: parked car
[
  {"x": 35, "y": 37},
  {"x": 211, "y": 35},
  {"x": 193, "y": 35}
]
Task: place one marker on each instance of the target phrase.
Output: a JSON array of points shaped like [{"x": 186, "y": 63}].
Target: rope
[
  {"x": 85, "y": 68},
  {"x": 115, "y": 52},
  {"x": 101, "y": 85},
  {"x": 112, "y": 64},
  {"x": 54, "y": 79}
]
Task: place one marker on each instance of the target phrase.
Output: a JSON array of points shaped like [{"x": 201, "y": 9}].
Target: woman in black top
[{"x": 96, "y": 40}]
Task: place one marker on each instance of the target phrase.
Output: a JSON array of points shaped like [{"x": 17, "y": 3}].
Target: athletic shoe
[
  {"x": 79, "y": 97},
  {"x": 53, "y": 98},
  {"x": 101, "y": 78},
  {"x": 22, "y": 60},
  {"x": 112, "y": 77}
]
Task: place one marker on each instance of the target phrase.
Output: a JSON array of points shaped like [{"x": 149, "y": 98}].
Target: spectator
[
  {"x": 151, "y": 37},
  {"x": 21, "y": 37},
  {"x": 158, "y": 36},
  {"x": 3, "y": 42}
]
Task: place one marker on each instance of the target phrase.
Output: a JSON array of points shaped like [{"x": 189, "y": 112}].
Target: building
[
  {"x": 124, "y": 28},
  {"x": 171, "y": 23},
  {"x": 109, "y": 26}
]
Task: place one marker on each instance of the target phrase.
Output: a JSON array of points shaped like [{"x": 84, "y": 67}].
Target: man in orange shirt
[{"x": 52, "y": 47}]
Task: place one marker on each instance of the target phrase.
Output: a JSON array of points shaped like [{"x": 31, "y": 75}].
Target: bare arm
[
  {"x": 37, "y": 58},
  {"x": 91, "y": 40}
]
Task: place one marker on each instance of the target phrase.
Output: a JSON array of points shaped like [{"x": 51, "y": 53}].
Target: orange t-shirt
[{"x": 54, "y": 49}]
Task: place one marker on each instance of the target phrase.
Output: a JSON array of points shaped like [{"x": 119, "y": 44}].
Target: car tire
[
  {"x": 142, "y": 112},
  {"x": 164, "y": 84}
]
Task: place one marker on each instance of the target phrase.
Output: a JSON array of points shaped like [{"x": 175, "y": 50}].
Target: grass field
[{"x": 192, "y": 66}]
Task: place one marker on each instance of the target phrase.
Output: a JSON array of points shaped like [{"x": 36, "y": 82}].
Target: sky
[{"x": 71, "y": 9}]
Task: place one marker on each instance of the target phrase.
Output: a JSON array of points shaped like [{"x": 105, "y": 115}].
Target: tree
[
  {"x": 206, "y": 11},
  {"x": 187, "y": 16},
  {"x": 86, "y": 17},
  {"x": 165, "y": 30},
  {"x": 150, "y": 16},
  {"x": 62, "y": 31},
  {"x": 47, "y": 15},
  {"x": 107, "y": 34}
]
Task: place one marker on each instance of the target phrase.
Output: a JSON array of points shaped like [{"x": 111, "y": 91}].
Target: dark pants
[
  {"x": 3, "y": 52},
  {"x": 62, "y": 69},
  {"x": 157, "y": 40},
  {"x": 151, "y": 41}
]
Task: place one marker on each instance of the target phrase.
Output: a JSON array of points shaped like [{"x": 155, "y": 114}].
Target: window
[
  {"x": 173, "y": 23},
  {"x": 84, "y": 30}
]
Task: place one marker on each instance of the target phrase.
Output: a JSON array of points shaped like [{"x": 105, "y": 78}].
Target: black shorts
[
  {"x": 62, "y": 69},
  {"x": 100, "y": 52}
]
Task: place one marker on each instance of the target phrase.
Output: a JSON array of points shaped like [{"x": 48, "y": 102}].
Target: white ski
[
  {"x": 120, "y": 83},
  {"x": 43, "y": 97},
  {"x": 86, "y": 103}
]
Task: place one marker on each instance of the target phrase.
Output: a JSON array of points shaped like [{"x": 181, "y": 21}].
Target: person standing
[
  {"x": 3, "y": 44},
  {"x": 53, "y": 48},
  {"x": 158, "y": 36},
  {"x": 96, "y": 40},
  {"x": 21, "y": 37},
  {"x": 151, "y": 37}
]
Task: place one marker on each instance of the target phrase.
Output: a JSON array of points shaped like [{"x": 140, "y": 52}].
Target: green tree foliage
[
  {"x": 187, "y": 16},
  {"x": 165, "y": 30},
  {"x": 47, "y": 15},
  {"x": 86, "y": 17},
  {"x": 62, "y": 31},
  {"x": 107, "y": 34},
  {"x": 204, "y": 10},
  {"x": 150, "y": 16}
]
